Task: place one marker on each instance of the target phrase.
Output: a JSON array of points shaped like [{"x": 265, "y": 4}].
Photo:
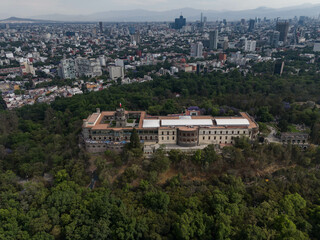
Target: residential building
[
  {"x": 250, "y": 46},
  {"x": 197, "y": 50},
  {"x": 88, "y": 67},
  {"x": 274, "y": 39},
  {"x": 316, "y": 47},
  {"x": 116, "y": 72},
  {"x": 213, "y": 40},
  {"x": 67, "y": 69},
  {"x": 27, "y": 68}
]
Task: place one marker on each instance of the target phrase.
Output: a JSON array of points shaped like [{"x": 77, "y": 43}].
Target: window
[
  {"x": 215, "y": 132},
  {"x": 238, "y": 132},
  {"x": 220, "y": 132},
  {"x": 244, "y": 132},
  {"x": 227, "y": 132},
  {"x": 140, "y": 137},
  {"x": 172, "y": 138},
  {"x": 204, "y": 137},
  {"x": 172, "y": 133},
  {"x": 162, "y": 133},
  {"x": 214, "y": 138},
  {"x": 209, "y": 132},
  {"x": 162, "y": 138},
  {"x": 209, "y": 137},
  {"x": 167, "y": 138},
  {"x": 232, "y": 132},
  {"x": 220, "y": 138},
  {"x": 150, "y": 137},
  {"x": 226, "y": 137},
  {"x": 168, "y": 133}
]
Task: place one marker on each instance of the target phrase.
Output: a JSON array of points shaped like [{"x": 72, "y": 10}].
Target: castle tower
[{"x": 121, "y": 120}]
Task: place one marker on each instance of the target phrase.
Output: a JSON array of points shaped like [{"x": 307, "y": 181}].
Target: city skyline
[{"x": 71, "y": 7}]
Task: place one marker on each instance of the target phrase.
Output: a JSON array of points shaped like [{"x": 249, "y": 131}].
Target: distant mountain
[
  {"x": 24, "y": 20},
  {"x": 191, "y": 14}
]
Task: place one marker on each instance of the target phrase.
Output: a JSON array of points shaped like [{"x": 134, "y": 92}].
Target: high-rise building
[
  {"x": 197, "y": 50},
  {"x": 116, "y": 72},
  {"x": 283, "y": 28},
  {"x": 136, "y": 38},
  {"x": 316, "y": 47},
  {"x": 119, "y": 62},
  {"x": 102, "y": 60},
  {"x": 67, "y": 69},
  {"x": 213, "y": 40},
  {"x": 250, "y": 46},
  {"x": 101, "y": 27},
  {"x": 274, "y": 39},
  {"x": 132, "y": 30},
  {"x": 88, "y": 67},
  {"x": 179, "y": 22},
  {"x": 251, "y": 25},
  {"x": 27, "y": 68}
]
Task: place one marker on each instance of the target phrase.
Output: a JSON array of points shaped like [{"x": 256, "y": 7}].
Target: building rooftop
[
  {"x": 232, "y": 122},
  {"x": 97, "y": 121},
  {"x": 148, "y": 123},
  {"x": 186, "y": 122}
]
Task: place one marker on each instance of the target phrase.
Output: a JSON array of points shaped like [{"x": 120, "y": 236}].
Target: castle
[{"x": 111, "y": 130}]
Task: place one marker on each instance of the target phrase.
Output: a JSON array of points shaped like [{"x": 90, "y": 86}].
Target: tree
[
  {"x": 157, "y": 201},
  {"x": 159, "y": 161},
  {"x": 3, "y": 105},
  {"x": 134, "y": 140}
]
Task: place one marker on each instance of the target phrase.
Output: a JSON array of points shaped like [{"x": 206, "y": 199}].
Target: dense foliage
[{"x": 248, "y": 191}]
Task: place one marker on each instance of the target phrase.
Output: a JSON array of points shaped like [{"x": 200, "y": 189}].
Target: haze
[{"x": 22, "y": 8}]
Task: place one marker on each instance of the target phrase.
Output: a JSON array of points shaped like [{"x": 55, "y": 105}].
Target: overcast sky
[{"x": 27, "y": 8}]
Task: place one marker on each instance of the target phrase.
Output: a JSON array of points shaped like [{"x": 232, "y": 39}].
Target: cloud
[{"x": 24, "y": 8}]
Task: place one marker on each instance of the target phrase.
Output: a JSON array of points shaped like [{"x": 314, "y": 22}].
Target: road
[{"x": 271, "y": 138}]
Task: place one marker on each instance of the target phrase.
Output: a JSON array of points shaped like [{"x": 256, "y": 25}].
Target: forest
[{"x": 251, "y": 190}]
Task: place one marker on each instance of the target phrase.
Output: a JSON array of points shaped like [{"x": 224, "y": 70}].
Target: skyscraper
[
  {"x": 179, "y": 22},
  {"x": 213, "y": 40},
  {"x": 101, "y": 27},
  {"x": 197, "y": 50},
  {"x": 251, "y": 25},
  {"x": 283, "y": 28}
]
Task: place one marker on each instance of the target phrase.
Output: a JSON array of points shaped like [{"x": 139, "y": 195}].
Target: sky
[{"x": 29, "y": 8}]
